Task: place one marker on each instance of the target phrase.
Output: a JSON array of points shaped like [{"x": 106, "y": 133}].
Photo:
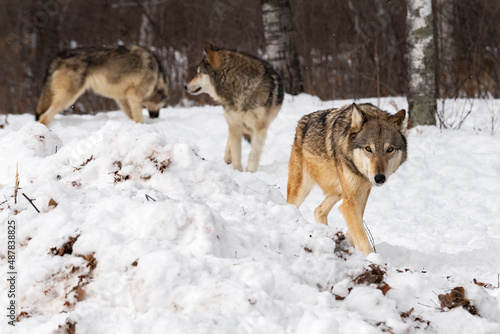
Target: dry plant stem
[{"x": 17, "y": 183}]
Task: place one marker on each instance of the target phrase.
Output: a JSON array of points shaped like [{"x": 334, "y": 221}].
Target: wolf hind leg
[
  {"x": 322, "y": 211},
  {"x": 63, "y": 88},
  {"x": 44, "y": 101},
  {"x": 60, "y": 101},
  {"x": 227, "y": 153},
  {"x": 123, "y": 103},
  {"x": 258, "y": 140}
]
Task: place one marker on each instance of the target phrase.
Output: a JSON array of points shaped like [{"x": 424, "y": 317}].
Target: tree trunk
[
  {"x": 421, "y": 64},
  {"x": 280, "y": 43},
  {"x": 47, "y": 39},
  {"x": 146, "y": 32},
  {"x": 446, "y": 49}
]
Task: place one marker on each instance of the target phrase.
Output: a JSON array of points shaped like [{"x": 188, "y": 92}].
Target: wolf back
[{"x": 261, "y": 84}]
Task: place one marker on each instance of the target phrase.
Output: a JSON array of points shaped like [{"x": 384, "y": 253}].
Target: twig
[
  {"x": 17, "y": 183},
  {"x": 31, "y": 201},
  {"x": 440, "y": 115},
  {"x": 370, "y": 236},
  {"x": 148, "y": 197},
  {"x": 6, "y": 201},
  {"x": 419, "y": 303},
  {"x": 467, "y": 115}
]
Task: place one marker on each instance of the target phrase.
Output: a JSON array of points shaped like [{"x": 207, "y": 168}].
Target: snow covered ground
[{"x": 144, "y": 229}]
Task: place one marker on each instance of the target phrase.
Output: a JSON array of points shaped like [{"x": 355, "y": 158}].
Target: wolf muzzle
[{"x": 154, "y": 114}]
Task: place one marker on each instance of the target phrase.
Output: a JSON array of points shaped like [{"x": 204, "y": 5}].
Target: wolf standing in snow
[
  {"x": 129, "y": 74},
  {"x": 251, "y": 93},
  {"x": 345, "y": 151}
]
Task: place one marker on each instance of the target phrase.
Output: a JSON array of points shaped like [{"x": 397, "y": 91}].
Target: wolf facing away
[
  {"x": 251, "y": 93},
  {"x": 130, "y": 74},
  {"x": 345, "y": 151}
]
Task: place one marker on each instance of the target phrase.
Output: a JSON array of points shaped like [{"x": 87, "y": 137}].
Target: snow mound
[
  {"x": 33, "y": 140},
  {"x": 140, "y": 233}
]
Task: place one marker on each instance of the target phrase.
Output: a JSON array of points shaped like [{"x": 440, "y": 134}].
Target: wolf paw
[
  {"x": 44, "y": 120},
  {"x": 251, "y": 169},
  {"x": 320, "y": 216},
  {"x": 227, "y": 155}
]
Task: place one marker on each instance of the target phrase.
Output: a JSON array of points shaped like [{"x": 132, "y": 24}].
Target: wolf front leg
[
  {"x": 352, "y": 208},
  {"x": 354, "y": 220},
  {"x": 134, "y": 101},
  {"x": 322, "y": 211}
]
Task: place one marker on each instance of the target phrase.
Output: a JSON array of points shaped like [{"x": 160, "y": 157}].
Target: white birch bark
[
  {"x": 280, "y": 43},
  {"x": 145, "y": 29},
  {"x": 421, "y": 63}
]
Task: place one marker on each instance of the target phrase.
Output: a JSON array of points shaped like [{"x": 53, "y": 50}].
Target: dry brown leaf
[
  {"x": 456, "y": 298},
  {"x": 53, "y": 203},
  {"x": 80, "y": 294},
  {"x": 66, "y": 248}
]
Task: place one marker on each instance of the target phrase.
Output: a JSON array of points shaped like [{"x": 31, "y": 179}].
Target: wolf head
[
  {"x": 157, "y": 99},
  {"x": 202, "y": 82},
  {"x": 379, "y": 146}
]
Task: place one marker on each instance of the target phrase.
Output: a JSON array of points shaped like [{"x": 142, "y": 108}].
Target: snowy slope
[{"x": 158, "y": 235}]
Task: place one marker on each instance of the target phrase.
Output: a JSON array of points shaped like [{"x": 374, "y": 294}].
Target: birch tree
[
  {"x": 421, "y": 63},
  {"x": 280, "y": 43}
]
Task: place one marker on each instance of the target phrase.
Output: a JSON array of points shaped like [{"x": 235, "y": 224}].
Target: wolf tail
[
  {"x": 296, "y": 166},
  {"x": 277, "y": 90}
]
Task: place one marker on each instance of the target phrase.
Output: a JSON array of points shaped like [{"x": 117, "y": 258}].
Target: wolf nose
[
  {"x": 379, "y": 178},
  {"x": 185, "y": 87}
]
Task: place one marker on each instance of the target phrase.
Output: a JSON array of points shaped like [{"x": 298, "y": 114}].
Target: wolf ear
[
  {"x": 398, "y": 118},
  {"x": 358, "y": 118},
  {"x": 213, "y": 47},
  {"x": 213, "y": 56}
]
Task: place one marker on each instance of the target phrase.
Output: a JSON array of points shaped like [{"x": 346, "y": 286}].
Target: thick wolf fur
[
  {"x": 345, "y": 151},
  {"x": 251, "y": 93},
  {"x": 129, "y": 74}
]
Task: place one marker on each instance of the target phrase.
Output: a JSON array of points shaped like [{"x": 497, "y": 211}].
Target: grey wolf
[
  {"x": 251, "y": 93},
  {"x": 345, "y": 151},
  {"x": 129, "y": 74}
]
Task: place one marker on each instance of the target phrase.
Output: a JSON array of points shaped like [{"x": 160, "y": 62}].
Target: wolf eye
[
  {"x": 368, "y": 149},
  {"x": 390, "y": 149}
]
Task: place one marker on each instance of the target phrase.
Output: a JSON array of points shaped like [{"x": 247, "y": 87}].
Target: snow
[{"x": 171, "y": 239}]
